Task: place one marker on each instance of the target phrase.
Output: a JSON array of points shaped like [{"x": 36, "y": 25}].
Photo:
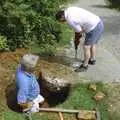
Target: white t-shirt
[{"x": 80, "y": 19}]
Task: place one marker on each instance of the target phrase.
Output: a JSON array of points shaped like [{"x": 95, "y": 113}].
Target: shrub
[
  {"x": 3, "y": 43},
  {"x": 114, "y": 3},
  {"x": 23, "y": 21}
]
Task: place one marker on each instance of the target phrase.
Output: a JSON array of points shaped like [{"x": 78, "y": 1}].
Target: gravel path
[{"x": 107, "y": 68}]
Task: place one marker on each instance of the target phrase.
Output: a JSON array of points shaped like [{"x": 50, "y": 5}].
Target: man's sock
[
  {"x": 85, "y": 63},
  {"x": 93, "y": 58}
]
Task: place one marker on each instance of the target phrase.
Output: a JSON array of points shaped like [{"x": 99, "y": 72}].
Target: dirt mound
[
  {"x": 8, "y": 62},
  {"x": 8, "y": 65}
]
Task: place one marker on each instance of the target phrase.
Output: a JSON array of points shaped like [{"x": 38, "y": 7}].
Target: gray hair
[{"x": 29, "y": 61}]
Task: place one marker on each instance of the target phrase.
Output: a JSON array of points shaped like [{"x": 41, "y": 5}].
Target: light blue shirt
[{"x": 27, "y": 86}]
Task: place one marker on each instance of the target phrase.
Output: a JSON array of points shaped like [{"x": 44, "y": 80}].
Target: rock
[
  {"x": 99, "y": 96},
  {"x": 76, "y": 64},
  {"x": 92, "y": 87},
  {"x": 86, "y": 115},
  {"x": 54, "y": 84}
]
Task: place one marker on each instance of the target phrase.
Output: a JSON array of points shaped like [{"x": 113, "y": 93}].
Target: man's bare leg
[
  {"x": 93, "y": 52},
  {"x": 84, "y": 66},
  {"x": 92, "y": 60},
  {"x": 87, "y": 54}
]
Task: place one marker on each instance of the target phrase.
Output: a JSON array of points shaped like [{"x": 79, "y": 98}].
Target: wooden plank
[
  {"x": 65, "y": 110},
  {"x": 61, "y": 116},
  {"x": 87, "y": 115},
  {"x": 98, "y": 115},
  {"x": 58, "y": 110}
]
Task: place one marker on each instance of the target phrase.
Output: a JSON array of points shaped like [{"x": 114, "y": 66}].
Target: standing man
[
  {"x": 83, "y": 21},
  {"x": 28, "y": 91}
]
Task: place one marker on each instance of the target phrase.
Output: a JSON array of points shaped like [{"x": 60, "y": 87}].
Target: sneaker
[
  {"x": 82, "y": 68},
  {"x": 92, "y": 62}
]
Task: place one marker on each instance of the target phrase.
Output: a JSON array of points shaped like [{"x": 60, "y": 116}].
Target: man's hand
[{"x": 26, "y": 105}]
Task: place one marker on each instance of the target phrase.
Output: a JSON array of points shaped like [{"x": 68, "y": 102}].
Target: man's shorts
[{"x": 94, "y": 36}]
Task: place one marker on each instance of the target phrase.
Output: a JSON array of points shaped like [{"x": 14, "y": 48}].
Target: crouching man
[{"x": 28, "y": 91}]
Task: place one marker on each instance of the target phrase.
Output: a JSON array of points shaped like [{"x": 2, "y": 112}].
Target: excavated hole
[{"x": 53, "y": 96}]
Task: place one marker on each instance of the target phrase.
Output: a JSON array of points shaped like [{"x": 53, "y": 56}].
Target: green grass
[{"x": 80, "y": 98}]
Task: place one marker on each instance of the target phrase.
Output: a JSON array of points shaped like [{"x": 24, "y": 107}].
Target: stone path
[{"x": 107, "y": 68}]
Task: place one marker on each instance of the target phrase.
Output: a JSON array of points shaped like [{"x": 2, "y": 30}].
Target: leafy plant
[
  {"x": 3, "y": 43},
  {"x": 114, "y": 3},
  {"x": 23, "y": 21}
]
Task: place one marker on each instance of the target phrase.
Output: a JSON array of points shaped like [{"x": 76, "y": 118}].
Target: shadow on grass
[
  {"x": 60, "y": 59},
  {"x": 101, "y": 6},
  {"x": 107, "y": 6},
  {"x": 64, "y": 60}
]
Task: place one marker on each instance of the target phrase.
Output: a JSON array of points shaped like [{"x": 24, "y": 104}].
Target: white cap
[{"x": 29, "y": 60}]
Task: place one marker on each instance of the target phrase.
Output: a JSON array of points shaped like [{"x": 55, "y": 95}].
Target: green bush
[
  {"x": 23, "y": 21},
  {"x": 3, "y": 43},
  {"x": 114, "y": 3}
]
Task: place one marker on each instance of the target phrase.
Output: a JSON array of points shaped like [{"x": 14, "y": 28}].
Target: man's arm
[
  {"x": 78, "y": 32},
  {"x": 78, "y": 35},
  {"x": 26, "y": 105},
  {"x": 23, "y": 93},
  {"x": 41, "y": 73}
]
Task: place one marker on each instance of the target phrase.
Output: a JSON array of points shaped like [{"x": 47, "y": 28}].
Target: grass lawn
[{"x": 80, "y": 98}]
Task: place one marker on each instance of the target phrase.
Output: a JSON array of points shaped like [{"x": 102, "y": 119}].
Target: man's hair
[
  {"x": 29, "y": 61},
  {"x": 59, "y": 14}
]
